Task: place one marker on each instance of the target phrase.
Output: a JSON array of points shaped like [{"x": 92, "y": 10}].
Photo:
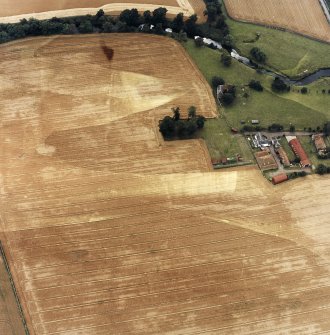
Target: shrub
[
  {"x": 225, "y": 60},
  {"x": 275, "y": 127},
  {"x": 256, "y": 85},
  {"x": 321, "y": 169},
  {"x": 258, "y": 55},
  {"x": 279, "y": 85},
  {"x": 304, "y": 90}
]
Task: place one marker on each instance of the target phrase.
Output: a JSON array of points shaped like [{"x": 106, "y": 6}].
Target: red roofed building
[
  {"x": 280, "y": 178},
  {"x": 300, "y": 152}
]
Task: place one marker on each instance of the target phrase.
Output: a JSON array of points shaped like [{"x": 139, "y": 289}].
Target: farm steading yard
[{"x": 111, "y": 230}]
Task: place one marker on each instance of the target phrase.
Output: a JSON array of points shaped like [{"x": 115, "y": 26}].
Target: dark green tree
[
  {"x": 176, "y": 113},
  {"x": 258, "y": 55},
  {"x": 278, "y": 85},
  {"x": 167, "y": 127},
  {"x": 191, "y": 26},
  {"x": 192, "y": 112},
  {"x": 225, "y": 60},
  {"x": 256, "y": 85},
  {"x": 200, "y": 121},
  {"x": 178, "y": 23},
  {"x": 159, "y": 16},
  {"x": 321, "y": 169}
]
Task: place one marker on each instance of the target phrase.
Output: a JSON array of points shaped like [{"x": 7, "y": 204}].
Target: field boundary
[
  {"x": 273, "y": 27},
  {"x": 12, "y": 284},
  {"x": 326, "y": 10}
]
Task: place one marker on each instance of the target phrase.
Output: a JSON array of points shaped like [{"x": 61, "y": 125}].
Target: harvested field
[
  {"x": 10, "y": 318},
  {"x": 112, "y": 231},
  {"x": 16, "y": 10},
  {"x": 305, "y": 17}
]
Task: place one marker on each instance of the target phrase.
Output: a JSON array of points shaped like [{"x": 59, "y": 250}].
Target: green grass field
[
  {"x": 222, "y": 143},
  {"x": 286, "y": 52},
  {"x": 310, "y": 110}
]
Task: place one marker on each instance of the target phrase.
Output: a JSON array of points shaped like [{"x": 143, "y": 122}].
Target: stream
[{"x": 310, "y": 78}]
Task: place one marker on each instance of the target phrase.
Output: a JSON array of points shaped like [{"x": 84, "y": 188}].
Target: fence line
[
  {"x": 2, "y": 254},
  {"x": 325, "y": 8}
]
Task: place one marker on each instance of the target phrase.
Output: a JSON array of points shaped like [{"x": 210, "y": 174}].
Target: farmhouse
[
  {"x": 300, "y": 152},
  {"x": 319, "y": 143},
  {"x": 280, "y": 178}
]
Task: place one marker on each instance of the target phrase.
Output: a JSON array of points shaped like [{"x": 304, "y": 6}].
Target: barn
[
  {"x": 300, "y": 152},
  {"x": 280, "y": 178}
]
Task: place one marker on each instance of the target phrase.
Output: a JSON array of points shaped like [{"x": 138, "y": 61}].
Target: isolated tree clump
[
  {"x": 175, "y": 127},
  {"x": 258, "y": 55}
]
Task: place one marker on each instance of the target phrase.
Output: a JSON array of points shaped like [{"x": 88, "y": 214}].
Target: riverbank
[
  {"x": 288, "y": 53},
  {"x": 301, "y": 110}
]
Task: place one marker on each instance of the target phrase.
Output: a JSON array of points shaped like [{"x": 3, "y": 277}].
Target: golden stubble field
[
  {"x": 304, "y": 16},
  {"x": 14, "y": 10},
  {"x": 109, "y": 230}
]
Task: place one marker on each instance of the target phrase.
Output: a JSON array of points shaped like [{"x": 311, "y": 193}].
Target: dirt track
[
  {"x": 304, "y": 16},
  {"x": 112, "y": 231},
  {"x": 16, "y": 10}
]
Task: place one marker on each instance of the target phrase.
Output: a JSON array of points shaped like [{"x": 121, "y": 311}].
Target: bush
[
  {"x": 304, "y": 90},
  {"x": 275, "y": 127},
  {"x": 256, "y": 85},
  {"x": 321, "y": 169},
  {"x": 258, "y": 55}
]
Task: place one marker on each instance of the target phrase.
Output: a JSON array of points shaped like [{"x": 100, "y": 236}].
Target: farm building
[
  {"x": 255, "y": 121},
  {"x": 265, "y": 160},
  {"x": 280, "y": 178},
  {"x": 300, "y": 152},
  {"x": 283, "y": 156},
  {"x": 319, "y": 143},
  {"x": 260, "y": 141}
]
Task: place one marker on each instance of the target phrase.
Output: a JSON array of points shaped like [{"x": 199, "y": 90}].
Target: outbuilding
[{"x": 280, "y": 178}]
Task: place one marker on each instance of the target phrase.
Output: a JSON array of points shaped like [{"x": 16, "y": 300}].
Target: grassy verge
[
  {"x": 286, "y": 52},
  {"x": 309, "y": 147},
  {"x": 303, "y": 111},
  {"x": 287, "y": 149}
]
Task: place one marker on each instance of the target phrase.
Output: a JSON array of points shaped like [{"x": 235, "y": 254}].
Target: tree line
[{"x": 129, "y": 20}]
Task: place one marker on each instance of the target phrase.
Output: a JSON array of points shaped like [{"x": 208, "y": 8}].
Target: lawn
[
  {"x": 309, "y": 147},
  {"x": 303, "y": 111},
  {"x": 222, "y": 143},
  {"x": 286, "y": 52},
  {"x": 285, "y": 145}
]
